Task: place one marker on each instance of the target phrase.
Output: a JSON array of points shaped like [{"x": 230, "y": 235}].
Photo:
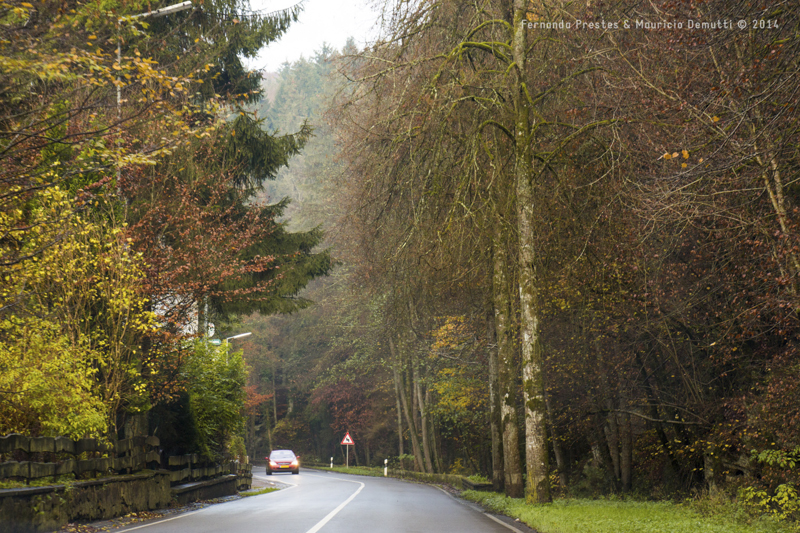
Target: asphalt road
[{"x": 317, "y": 501}]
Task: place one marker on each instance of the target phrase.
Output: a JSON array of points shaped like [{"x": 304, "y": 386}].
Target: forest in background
[
  {"x": 568, "y": 259},
  {"x": 565, "y": 260}
]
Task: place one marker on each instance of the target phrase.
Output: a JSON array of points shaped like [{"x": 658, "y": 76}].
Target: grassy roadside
[
  {"x": 613, "y": 515},
  {"x": 619, "y": 516},
  {"x": 357, "y": 470}
]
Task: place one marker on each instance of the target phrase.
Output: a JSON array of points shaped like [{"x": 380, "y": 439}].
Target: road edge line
[
  {"x": 162, "y": 521},
  {"x": 484, "y": 513},
  {"x": 183, "y": 514},
  {"x": 509, "y": 526}
]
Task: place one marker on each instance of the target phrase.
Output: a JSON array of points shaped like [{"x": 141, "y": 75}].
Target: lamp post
[{"x": 174, "y": 8}]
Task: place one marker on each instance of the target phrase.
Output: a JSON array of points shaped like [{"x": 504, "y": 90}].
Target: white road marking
[
  {"x": 189, "y": 513},
  {"x": 509, "y": 526},
  {"x": 341, "y": 506},
  {"x": 271, "y": 479},
  {"x": 512, "y": 528},
  {"x": 166, "y": 520}
]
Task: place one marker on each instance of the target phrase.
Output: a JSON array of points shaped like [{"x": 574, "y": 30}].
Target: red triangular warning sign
[{"x": 348, "y": 439}]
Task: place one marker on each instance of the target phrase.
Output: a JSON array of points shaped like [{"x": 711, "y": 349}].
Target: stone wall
[
  {"x": 35, "y": 509},
  {"x": 206, "y": 490}
]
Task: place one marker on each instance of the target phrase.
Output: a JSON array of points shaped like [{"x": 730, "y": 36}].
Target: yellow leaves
[
  {"x": 87, "y": 271},
  {"x": 684, "y": 153},
  {"x": 715, "y": 119}
]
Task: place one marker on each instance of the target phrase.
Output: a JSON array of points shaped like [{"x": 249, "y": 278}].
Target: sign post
[{"x": 348, "y": 441}]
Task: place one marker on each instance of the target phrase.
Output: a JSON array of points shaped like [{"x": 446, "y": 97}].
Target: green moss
[
  {"x": 41, "y": 482},
  {"x": 258, "y": 492}
]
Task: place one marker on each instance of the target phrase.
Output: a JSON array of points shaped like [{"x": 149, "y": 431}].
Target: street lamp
[
  {"x": 239, "y": 336},
  {"x": 217, "y": 342}
]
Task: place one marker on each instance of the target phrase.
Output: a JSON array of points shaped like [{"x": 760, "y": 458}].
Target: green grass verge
[
  {"x": 357, "y": 470},
  {"x": 258, "y": 492},
  {"x": 619, "y": 516}
]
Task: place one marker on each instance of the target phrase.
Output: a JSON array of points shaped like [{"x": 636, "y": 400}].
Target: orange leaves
[
  {"x": 684, "y": 153},
  {"x": 254, "y": 399}
]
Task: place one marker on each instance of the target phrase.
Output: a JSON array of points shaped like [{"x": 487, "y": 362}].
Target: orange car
[{"x": 283, "y": 461}]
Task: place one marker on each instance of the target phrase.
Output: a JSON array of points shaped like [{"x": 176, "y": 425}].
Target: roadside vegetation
[
  {"x": 128, "y": 221},
  {"x": 615, "y": 515},
  {"x": 372, "y": 471},
  {"x": 258, "y": 492}
]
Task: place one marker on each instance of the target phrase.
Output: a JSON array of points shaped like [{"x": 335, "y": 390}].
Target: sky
[{"x": 322, "y": 21}]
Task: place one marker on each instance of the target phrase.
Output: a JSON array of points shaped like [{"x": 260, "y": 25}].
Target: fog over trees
[{"x": 562, "y": 256}]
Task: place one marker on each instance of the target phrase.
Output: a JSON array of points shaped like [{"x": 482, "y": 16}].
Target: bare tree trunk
[
  {"x": 558, "y": 451},
  {"x": 537, "y": 489},
  {"x": 267, "y": 423},
  {"x": 507, "y": 372},
  {"x": 626, "y": 450},
  {"x": 604, "y": 454},
  {"x": 274, "y": 394},
  {"x": 437, "y": 459},
  {"x": 399, "y": 417},
  {"x": 495, "y": 419},
  {"x": 406, "y": 409},
  {"x": 607, "y": 428},
  {"x": 426, "y": 448},
  {"x": 611, "y": 430}
]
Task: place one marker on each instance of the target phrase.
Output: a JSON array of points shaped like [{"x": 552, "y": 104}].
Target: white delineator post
[
  {"x": 331, "y": 462},
  {"x": 385, "y": 467}
]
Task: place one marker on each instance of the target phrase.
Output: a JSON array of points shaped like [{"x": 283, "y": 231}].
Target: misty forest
[{"x": 563, "y": 259}]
